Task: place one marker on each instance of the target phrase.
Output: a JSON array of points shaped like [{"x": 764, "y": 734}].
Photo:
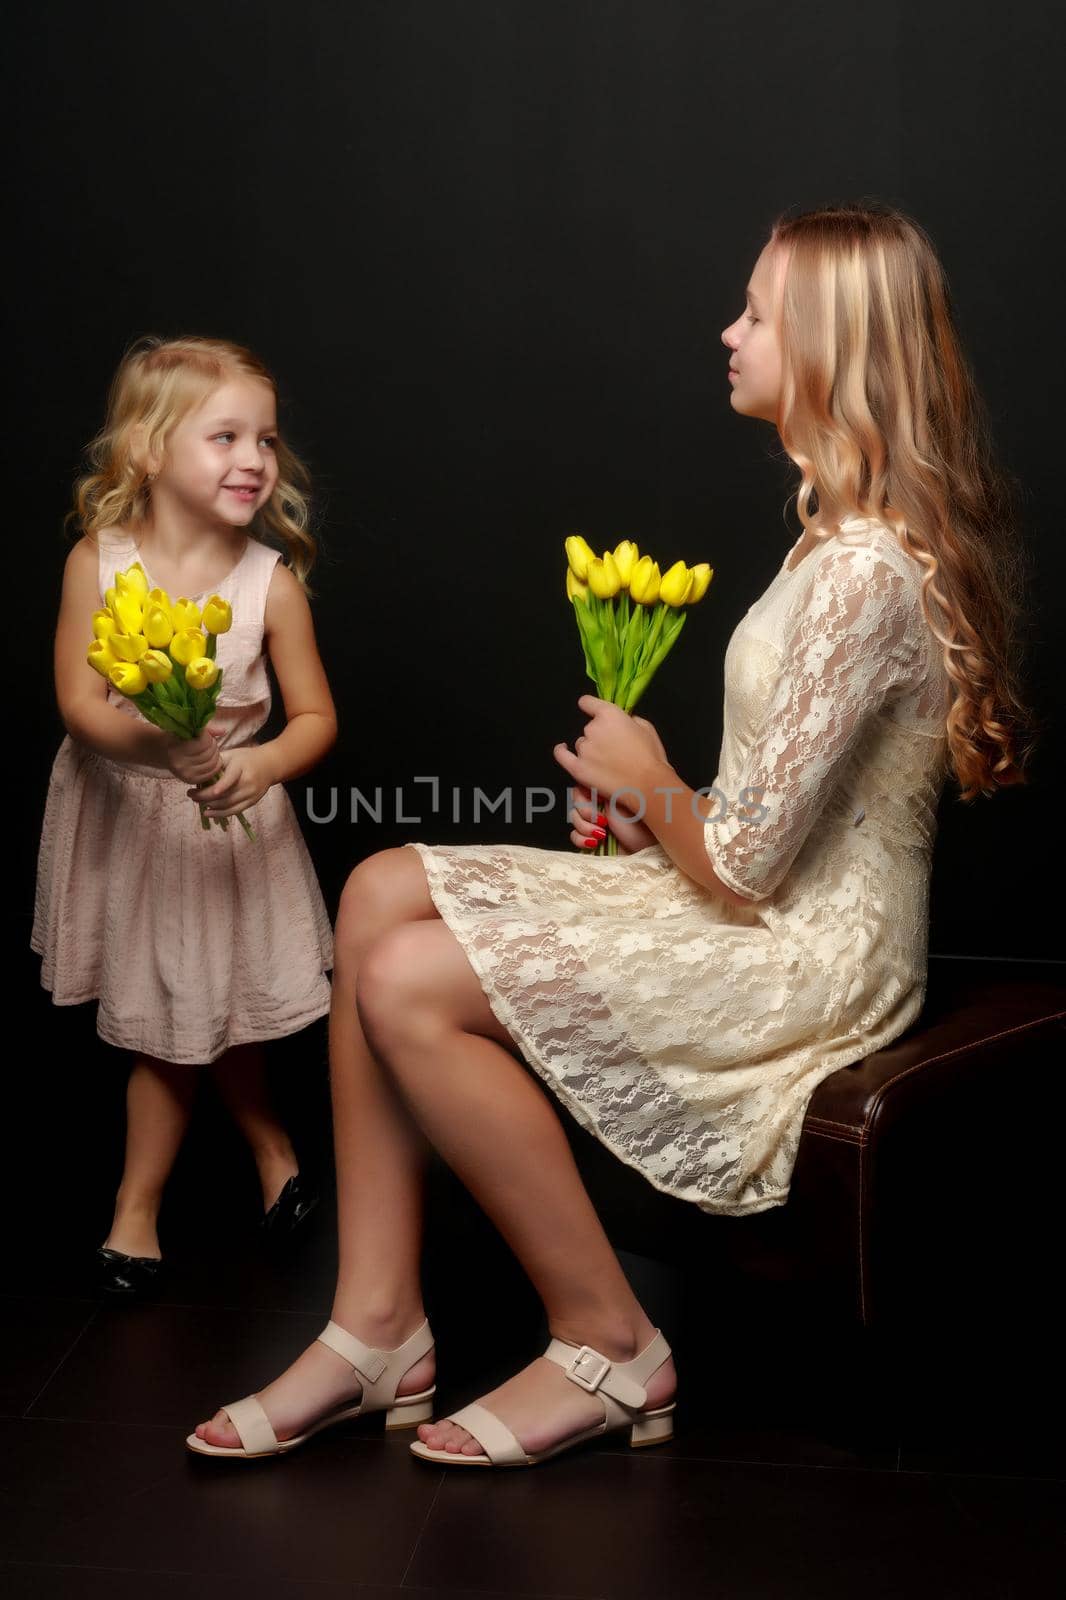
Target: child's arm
[
  {"x": 81, "y": 693},
  {"x": 311, "y": 718},
  {"x": 311, "y": 721}
]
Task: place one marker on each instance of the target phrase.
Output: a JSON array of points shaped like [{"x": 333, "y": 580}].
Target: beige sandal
[
  {"x": 620, "y": 1386},
  {"x": 380, "y": 1372}
]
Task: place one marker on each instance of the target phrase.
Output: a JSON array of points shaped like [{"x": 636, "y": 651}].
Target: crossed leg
[{"x": 416, "y": 1051}]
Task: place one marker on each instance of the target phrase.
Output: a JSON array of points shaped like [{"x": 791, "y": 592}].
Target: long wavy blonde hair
[
  {"x": 881, "y": 414},
  {"x": 158, "y": 382}
]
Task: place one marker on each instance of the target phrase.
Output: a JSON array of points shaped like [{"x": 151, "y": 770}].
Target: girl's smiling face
[
  {"x": 755, "y": 362},
  {"x": 220, "y": 459}
]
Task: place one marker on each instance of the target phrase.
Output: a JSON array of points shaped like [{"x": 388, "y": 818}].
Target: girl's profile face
[
  {"x": 220, "y": 459},
  {"x": 752, "y": 340}
]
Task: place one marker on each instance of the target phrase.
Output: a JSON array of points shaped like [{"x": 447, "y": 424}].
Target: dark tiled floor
[{"x": 759, "y": 1495}]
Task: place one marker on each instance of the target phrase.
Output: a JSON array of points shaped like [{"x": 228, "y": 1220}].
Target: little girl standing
[{"x": 198, "y": 943}]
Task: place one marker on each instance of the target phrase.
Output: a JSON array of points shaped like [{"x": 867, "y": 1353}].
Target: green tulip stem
[
  {"x": 633, "y": 649},
  {"x": 652, "y": 638}
]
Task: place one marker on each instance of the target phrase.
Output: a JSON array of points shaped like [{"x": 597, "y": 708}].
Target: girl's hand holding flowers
[
  {"x": 615, "y": 752},
  {"x": 193, "y": 760},
  {"x": 617, "y": 755},
  {"x": 246, "y": 777},
  {"x": 591, "y": 824}
]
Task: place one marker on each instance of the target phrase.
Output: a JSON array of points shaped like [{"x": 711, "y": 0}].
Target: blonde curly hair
[
  {"x": 158, "y": 382},
  {"x": 882, "y": 416}
]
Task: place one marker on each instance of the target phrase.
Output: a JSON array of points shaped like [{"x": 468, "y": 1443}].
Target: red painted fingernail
[
  {"x": 602, "y": 832},
  {"x": 589, "y": 844},
  {"x": 601, "y": 819}
]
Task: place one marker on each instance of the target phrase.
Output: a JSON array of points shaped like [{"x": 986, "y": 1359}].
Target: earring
[{"x": 151, "y": 477}]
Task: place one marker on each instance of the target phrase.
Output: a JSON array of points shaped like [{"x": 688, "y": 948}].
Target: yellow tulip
[
  {"x": 101, "y": 656},
  {"x": 158, "y": 628},
  {"x": 201, "y": 672},
  {"x": 156, "y": 666},
  {"x": 626, "y": 556},
  {"x": 575, "y": 589},
  {"x": 103, "y": 624},
  {"x": 127, "y": 646},
  {"x": 187, "y": 645},
  {"x": 184, "y": 614},
  {"x": 109, "y": 598},
  {"x": 579, "y": 554},
  {"x": 157, "y": 597},
  {"x": 126, "y": 610},
  {"x": 644, "y": 584},
  {"x": 128, "y": 677},
  {"x": 218, "y": 615},
  {"x": 134, "y": 581},
  {"x": 603, "y": 576},
  {"x": 676, "y": 584},
  {"x": 701, "y": 577}
]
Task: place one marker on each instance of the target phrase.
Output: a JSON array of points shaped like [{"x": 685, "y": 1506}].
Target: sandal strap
[
  {"x": 495, "y": 1439},
  {"x": 379, "y": 1370},
  {"x": 622, "y": 1380},
  {"x": 252, "y": 1425}
]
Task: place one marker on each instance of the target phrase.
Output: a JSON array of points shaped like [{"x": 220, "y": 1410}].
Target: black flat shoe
[
  {"x": 126, "y": 1277},
  {"x": 293, "y": 1206}
]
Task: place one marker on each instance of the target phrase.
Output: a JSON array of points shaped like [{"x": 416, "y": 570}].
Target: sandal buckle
[{"x": 581, "y": 1372}]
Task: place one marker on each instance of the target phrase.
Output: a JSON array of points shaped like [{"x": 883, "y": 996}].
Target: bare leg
[
  {"x": 379, "y": 1157},
  {"x": 427, "y": 1018},
  {"x": 240, "y": 1074},
  {"x": 159, "y": 1101}
]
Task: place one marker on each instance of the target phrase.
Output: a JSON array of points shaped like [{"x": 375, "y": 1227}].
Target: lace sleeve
[{"x": 848, "y": 646}]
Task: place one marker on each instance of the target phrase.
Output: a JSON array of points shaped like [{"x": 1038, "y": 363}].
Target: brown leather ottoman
[{"x": 927, "y": 1188}]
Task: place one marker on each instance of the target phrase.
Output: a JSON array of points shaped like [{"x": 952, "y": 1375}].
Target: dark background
[{"x": 489, "y": 249}]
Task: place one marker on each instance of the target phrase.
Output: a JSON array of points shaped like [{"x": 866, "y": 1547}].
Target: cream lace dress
[
  {"x": 688, "y": 1034},
  {"x": 192, "y": 941}
]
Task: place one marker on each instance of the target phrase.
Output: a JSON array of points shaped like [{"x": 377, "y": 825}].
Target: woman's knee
[
  {"x": 415, "y": 983},
  {"x": 387, "y": 889},
  {"x": 390, "y": 985}
]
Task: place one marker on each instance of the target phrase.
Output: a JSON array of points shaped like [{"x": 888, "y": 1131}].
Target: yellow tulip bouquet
[
  {"x": 629, "y": 617},
  {"x": 161, "y": 655}
]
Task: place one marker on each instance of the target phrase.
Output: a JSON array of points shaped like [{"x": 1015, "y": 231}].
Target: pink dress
[{"x": 191, "y": 940}]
